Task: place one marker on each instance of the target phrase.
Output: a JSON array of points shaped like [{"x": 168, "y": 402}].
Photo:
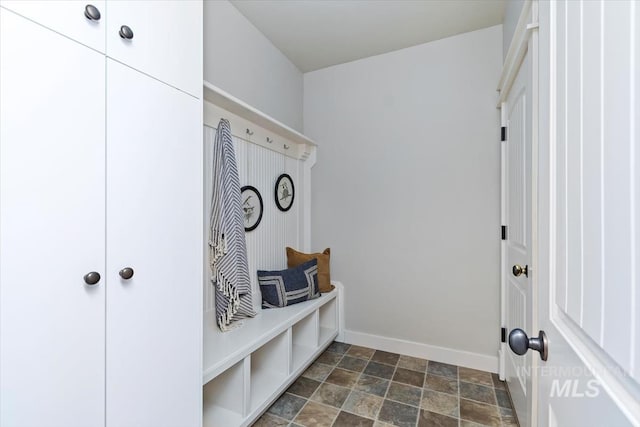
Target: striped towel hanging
[{"x": 227, "y": 246}]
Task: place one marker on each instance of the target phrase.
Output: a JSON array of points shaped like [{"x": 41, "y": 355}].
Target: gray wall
[
  {"x": 241, "y": 60},
  {"x": 511, "y": 15},
  {"x": 406, "y": 190}
]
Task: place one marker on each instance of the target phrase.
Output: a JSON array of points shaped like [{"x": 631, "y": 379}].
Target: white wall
[
  {"x": 241, "y": 60},
  {"x": 406, "y": 192},
  {"x": 512, "y": 12}
]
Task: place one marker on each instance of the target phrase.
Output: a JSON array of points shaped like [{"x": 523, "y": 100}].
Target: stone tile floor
[{"x": 361, "y": 387}]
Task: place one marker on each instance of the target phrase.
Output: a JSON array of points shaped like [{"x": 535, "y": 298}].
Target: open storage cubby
[
  {"x": 221, "y": 403},
  {"x": 328, "y": 322},
  {"x": 304, "y": 340},
  {"x": 269, "y": 368},
  {"x": 246, "y": 369}
]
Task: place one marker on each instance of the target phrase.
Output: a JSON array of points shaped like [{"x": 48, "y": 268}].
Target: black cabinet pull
[
  {"x": 126, "y": 32},
  {"x": 126, "y": 273},
  {"x": 91, "y": 278},
  {"x": 91, "y": 12}
]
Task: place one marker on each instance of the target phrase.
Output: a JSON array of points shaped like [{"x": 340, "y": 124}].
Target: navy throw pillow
[{"x": 291, "y": 286}]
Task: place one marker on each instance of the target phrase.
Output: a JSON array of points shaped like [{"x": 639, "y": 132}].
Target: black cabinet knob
[
  {"x": 91, "y": 12},
  {"x": 126, "y": 273},
  {"x": 126, "y": 32},
  {"x": 91, "y": 278}
]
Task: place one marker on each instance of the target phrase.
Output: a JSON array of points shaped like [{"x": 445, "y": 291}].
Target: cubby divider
[
  {"x": 304, "y": 340},
  {"x": 224, "y": 398},
  {"x": 269, "y": 369},
  {"x": 328, "y": 322}
]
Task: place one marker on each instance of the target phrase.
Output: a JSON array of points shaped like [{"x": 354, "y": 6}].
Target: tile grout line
[
  {"x": 350, "y": 389},
  {"x": 309, "y": 398},
  {"x": 388, "y": 387},
  {"x": 459, "y": 408},
  {"x": 375, "y": 419},
  {"x": 424, "y": 381},
  {"x": 334, "y": 368},
  {"x": 495, "y": 395}
]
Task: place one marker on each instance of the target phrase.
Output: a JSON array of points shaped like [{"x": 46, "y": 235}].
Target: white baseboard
[{"x": 467, "y": 359}]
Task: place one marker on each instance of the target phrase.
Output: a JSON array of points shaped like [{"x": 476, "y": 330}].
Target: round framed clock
[{"x": 284, "y": 192}]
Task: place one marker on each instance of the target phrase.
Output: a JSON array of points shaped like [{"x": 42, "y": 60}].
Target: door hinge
[
  {"x": 504, "y": 232},
  {"x": 503, "y": 335},
  {"x": 503, "y": 133}
]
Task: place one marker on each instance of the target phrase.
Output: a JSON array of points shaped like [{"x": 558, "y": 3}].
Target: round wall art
[
  {"x": 285, "y": 192},
  {"x": 252, "y": 207}
]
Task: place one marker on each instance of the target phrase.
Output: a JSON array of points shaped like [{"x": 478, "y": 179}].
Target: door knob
[
  {"x": 126, "y": 32},
  {"x": 126, "y": 273},
  {"x": 517, "y": 270},
  {"x": 91, "y": 12},
  {"x": 520, "y": 343},
  {"x": 91, "y": 278}
]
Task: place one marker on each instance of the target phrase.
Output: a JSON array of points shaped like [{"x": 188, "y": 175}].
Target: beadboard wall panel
[{"x": 260, "y": 168}]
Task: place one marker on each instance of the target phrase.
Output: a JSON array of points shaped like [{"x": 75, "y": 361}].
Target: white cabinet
[
  {"x": 52, "y": 222},
  {"x": 67, "y": 18},
  {"x": 100, "y": 170},
  {"x": 166, "y": 36},
  {"x": 166, "y": 42},
  {"x": 154, "y": 223}
]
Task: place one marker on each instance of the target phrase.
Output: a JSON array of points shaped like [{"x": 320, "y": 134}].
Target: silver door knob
[
  {"x": 91, "y": 12},
  {"x": 517, "y": 270},
  {"x": 519, "y": 343},
  {"x": 126, "y": 273},
  {"x": 126, "y": 32},
  {"x": 92, "y": 278}
]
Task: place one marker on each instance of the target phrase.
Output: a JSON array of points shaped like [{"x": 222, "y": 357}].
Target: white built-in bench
[{"x": 246, "y": 369}]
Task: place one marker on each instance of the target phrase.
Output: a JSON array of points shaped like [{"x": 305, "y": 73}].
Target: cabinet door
[
  {"x": 154, "y": 227},
  {"x": 65, "y": 17},
  {"x": 52, "y": 228},
  {"x": 166, "y": 43}
]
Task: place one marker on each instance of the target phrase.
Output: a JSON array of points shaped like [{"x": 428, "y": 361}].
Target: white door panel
[
  {"x": 65, "y": 17},
  {"x": 166, "y": 43},
  {"x": 154, "y": 211},
  {"x": 518, "y": 291},
  {"x": 52, "y": 222},
  {"x": 588, "y": 213}
]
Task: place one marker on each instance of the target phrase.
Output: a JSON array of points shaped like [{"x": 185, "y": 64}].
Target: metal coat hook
[
  {"x": 286, "y": 147},
  {"x": 249, "y": 132},
  {"x": 269, "y": 140}
]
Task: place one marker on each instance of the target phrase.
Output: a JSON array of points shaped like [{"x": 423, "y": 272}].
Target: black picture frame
[
  {"x": 284, "y": 192},
  {"x": 251, "y": 200}
]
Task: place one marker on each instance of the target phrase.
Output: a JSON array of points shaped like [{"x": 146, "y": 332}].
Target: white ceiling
[{"x": 316, "y": 34}]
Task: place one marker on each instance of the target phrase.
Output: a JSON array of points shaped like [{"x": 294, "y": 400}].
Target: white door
[
  {"x": 519, "y": 296},
  {"x": 166, "y": 40},
  {"x": 52, "y": 225},
  {"x": 154, "y": 227},
  {"x": 80, "y": 21},
  {"x": 589, "y": 213}
]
